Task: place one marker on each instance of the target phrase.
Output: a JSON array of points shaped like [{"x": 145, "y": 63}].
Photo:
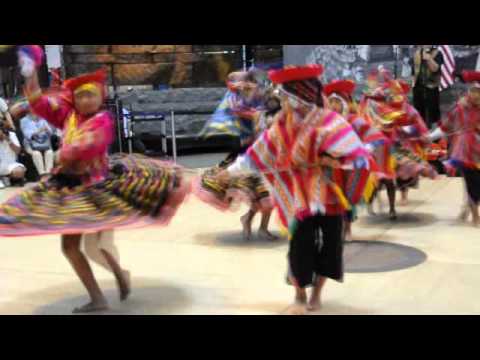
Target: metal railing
[{"x": 161, "y": 117}]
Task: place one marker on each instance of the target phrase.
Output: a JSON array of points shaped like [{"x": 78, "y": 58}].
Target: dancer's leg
[
  {"x": 263, "y": 231},
  {"x": 465, "y": 212},
  {"x": 246, "y": 221},
  {"x": 391, "y": 192},
  {"x": 328, "y": 257},
  {"x": 301, "y": 258},
  {"x": 100, "y": 247},
  {"x": 475, "y": 214},
  {"x": 71, "y": 250}
]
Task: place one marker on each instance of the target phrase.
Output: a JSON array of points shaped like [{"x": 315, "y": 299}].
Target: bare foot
[
  {"x": 464, "y": 215},
  {"x": 370, "y": 210},
  {"x": 393, "y": 215},
  {"x": 247, "y": 227},
  {"x": 296, "y": 309},
  {"x": 348, "y": 236},
  {"x": 125, "y": 286},
  {"x": 94, "y": 306},
  {"x": 266, "y": 235},
  {"x": 403, "y": 202},
  {"x": 314, "y": 304},
  {"x": 476, "y": 222}
]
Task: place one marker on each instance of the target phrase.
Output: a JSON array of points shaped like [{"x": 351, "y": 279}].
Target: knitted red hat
[
  {"x": 346, "y": 87},
  {"x": 295, "y": 73},
  {"x": 472, "y": 77},
  {"x": 97, "y": 78}
]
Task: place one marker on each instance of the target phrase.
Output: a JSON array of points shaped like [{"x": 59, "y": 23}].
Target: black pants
[
  {"x": 316, "y": 249},
  {"x": 472, "y": 180},
  {"x": 427, "y": 103}
]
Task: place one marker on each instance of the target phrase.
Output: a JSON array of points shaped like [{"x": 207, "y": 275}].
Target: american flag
[{"x": 448, "y": 67}]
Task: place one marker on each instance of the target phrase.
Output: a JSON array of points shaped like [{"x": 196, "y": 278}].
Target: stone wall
[{"x": 163, "y": 66}]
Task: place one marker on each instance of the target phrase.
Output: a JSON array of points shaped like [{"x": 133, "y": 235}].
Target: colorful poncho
[
  {"x": 403, "y": 156},
  {"x": 306, "y": 164},
  {"x": 233, "y": 117},
  {"x": 462, "y": 125}
]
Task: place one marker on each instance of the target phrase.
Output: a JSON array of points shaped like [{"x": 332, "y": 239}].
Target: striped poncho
[
  {"x": 463, "y": 127},
  {"x": 313, "y": 166}
]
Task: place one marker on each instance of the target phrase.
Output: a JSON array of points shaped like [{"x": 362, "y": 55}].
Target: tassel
[{"x": 370, "y": 187}]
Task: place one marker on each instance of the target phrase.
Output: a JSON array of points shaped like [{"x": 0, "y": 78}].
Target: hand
[
  {"x": 426, "y": 140},
  {"x": 27, "y": 66},
  {"x": 427, "y": 56},
  {"x": 223, "y": 176},
  {"x": 370, "y": 148}
]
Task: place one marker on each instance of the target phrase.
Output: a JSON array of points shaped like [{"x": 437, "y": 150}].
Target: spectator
[
  {"x": 38, "y": 142},
  {"x": 5, "y": 115},
  {"x": 10, "y": 147},
  {"x": 427, "y": 63}
]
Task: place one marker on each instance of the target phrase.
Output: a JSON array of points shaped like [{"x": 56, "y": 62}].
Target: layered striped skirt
[{"x": 138, "y": 191}]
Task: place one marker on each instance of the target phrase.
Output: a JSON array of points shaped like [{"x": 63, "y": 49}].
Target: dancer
[
  {"x": 87, "y": 193},
  {"x": 252, "y": 109},
  {"x": 340, "y": 99},
  {"x": 462, "y": 126},
  {"x": 404, "y": 161},
  {"x": 317, "y": 168}
]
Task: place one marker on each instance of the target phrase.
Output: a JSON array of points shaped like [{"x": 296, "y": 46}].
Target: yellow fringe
[
  {"x": 370, "y": 187},
  {"x": 341, "y": 196}
]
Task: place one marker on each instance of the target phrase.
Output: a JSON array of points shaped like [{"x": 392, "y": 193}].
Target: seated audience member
[
  {"x": 5, "y": 116},
  {"x": 10, "y": 169},
  {"x": 37, "y": 141}
]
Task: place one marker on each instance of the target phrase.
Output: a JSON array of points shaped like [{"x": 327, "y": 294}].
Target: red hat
[
  {"x": 340, "y": 87},
  {"x": 471, "y": 76},
  {"x": 97, "y": 78},
  {"x": 295, "y": 73},
  {"x": 397, "y": 87}
]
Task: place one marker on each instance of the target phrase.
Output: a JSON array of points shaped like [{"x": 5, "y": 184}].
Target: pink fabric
[
  {"x": 463, "y": 128},
  {"x": 53, "y": 109},
  {"x": 88, "y": 154}
]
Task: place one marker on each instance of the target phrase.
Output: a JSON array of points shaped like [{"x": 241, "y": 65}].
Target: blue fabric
[
  {"x": 40, "y": 141},
  {"x": 225, "y": 122}
]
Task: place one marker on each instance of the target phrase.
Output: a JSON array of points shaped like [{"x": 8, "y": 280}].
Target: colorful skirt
[
  {"x": 409, "y": 167},
  {"x": 250, "y": 189},
  {"x": 137, "y": 192}
]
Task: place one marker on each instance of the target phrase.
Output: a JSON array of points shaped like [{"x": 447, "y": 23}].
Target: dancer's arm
[
  {"x": 341, "y": 142},
  {"x": 369, "y": 134},
  {"x": 436, "y": 134},
  {"x": 243, "y": 164},
  {"x": 53, "y": 109}
]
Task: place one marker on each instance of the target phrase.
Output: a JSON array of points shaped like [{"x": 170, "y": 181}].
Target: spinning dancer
[
  {"x": 87, "y": 193},
  {"x": 317, "y": 168},
  {"x": 462, "y": 126},
  {"x": 404, "y": 160},
  {"x": 247, "y": 110}
]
